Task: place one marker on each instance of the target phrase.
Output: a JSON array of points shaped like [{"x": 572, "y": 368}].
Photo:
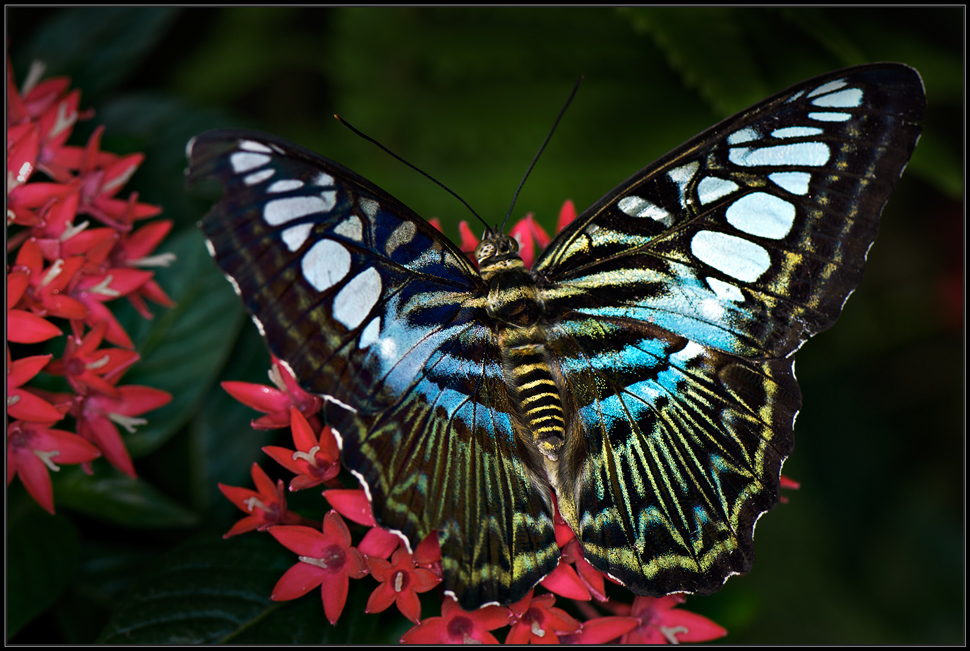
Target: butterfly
[{"x": 639, "y": 375}]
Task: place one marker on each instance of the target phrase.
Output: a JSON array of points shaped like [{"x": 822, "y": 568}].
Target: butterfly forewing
[
  {"x": 676, "y": 301},
  {"x": 375, "y": 310}
]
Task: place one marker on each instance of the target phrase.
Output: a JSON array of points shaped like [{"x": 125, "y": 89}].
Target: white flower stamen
[
  {"x": 46, "y": 456},
  {"x": 53, "y": 272},
  {"x": 128, "y": 422},
  {"x": 671, "y": 632},
  {"x": 71, "y": 230},
  {"x": 104, "y": 289},
  {"x": 159, "y": 260},
  {"x": 310, "y": 456}
]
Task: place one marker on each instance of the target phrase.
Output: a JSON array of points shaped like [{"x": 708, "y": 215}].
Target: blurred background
[{"x": 870, "y": 550}]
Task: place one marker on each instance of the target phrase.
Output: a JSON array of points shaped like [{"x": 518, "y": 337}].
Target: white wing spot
[
  {"x": 636, "y": 206},
  {"x": 371, "y": 333},
  {"x": 744, "y": 135},
  {"x": 734, "y": 256},
  {"x": 796, "y": 132},
  {"x": 843, "y": 99},
  {"x": 682, "y": 176},
  {"x": 280, "y": 211},
  {"x": 252, "y": 145},
  {"x": 243, "y": 161},
  {"x": 351, "y": 228},
  {"x": 324, "y": 180},
  {"x": 370, "y": 207},
  {"x": 815, "y": 154},
  {"x": 295, "y": 236},
  {"x": 828, "y": 87},
  {"x": 762, "y": 215},
  {"x": 712, "y": 188},
  {"x": 284, "y": 185},
  {"x": 325, "y": 264},
  {"x": 258, "y": 177},
  {"x": 830, "y": 116},
  {"x": 358, "y": 297},
  {"x": 794, "y": 182},
  {"x": 402, "y": 235}
]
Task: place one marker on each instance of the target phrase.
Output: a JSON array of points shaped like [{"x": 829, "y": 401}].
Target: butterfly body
[{"x": 640, "y": 372}]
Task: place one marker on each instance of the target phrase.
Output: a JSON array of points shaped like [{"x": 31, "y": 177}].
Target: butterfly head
[{"x": 497, "y": 250}]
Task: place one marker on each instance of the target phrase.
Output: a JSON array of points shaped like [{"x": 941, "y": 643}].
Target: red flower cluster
[
  {"x": 66, "y": 269},
  {"x": 328, "y": 558}
]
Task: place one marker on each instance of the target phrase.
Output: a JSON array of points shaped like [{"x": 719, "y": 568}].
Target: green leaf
[
  {"x": 42, "y": 558},
  {"x": 112, "y": 496},
  {"x": 210, "y": 590},
  {"x": 98, "y": 47},
  {"x": 709, "y": 49},
  {"x": 206, "y": 590},
  {"x": 182, "y": 348},
  {"x": 223, "y": 444}
]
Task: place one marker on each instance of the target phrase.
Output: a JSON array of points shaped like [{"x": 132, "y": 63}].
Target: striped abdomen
[{"x": 537, "y": 394}]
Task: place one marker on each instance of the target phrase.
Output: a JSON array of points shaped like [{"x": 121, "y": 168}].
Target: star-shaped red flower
[
  {"x": 276, "y": 402},
  {"x": 457, "y": 626},
  {"x": 662, "y": 623},
  {"x": 34, "y": 449},
  {"x": 326, "y": 559},
  {"x": 316, "y": 459},
  {"x": 401, "y": 581},
  {"x": 266, "y": 505},
  {"x": 535, "y": 620}
]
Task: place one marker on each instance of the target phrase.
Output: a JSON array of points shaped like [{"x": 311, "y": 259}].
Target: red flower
[
  {"x": 529, "y": 234},
  {"x": 89, "y": 369},
  {"x": 535, "y": 620},
  {"x": 790, "y": 484},
  {"x": 25, "y": 327},
  {"x": 326, "y": 559},
  {"x": 401, "y": 581},
  {"x": 266, "y": 505},
  {"x": 134, "y": 250},
  {"x": 98, "y": 414},
  {"x": 316, "y": 459},
  {"x": 661, "y": 623},
  {"x": 352, "y": 503},
  {"x": 102, "y": 175},
  {"x": 65, "y": 269},
  {"x": 275, "y": 403},
  {"x": 33, "y": 449},
  {"x": 46, "y": 291},
  {"x": 574, "y": 577},
  {"x": 457, "y": 626},
  {"x": 378, "y": 543},
  {"x": 601, "y": 630},
  {"x": 21, "y": 403},
  {"x": 94, "y": 290}
]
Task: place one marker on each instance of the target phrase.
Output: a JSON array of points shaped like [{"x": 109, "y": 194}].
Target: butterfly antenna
[
  {"x": 413, "y": 167},
  {"x": 539, "y": 153}
]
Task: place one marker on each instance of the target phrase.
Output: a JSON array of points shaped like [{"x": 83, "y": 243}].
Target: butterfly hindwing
[
  {"x": 373, "y": 309},
  {"x": 676, "y": 301}
]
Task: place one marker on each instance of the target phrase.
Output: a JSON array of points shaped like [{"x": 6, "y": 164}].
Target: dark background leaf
[{"x": 870, "y": 550}]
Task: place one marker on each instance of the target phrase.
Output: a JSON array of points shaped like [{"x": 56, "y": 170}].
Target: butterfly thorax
[{"x": 514, "y": 304}]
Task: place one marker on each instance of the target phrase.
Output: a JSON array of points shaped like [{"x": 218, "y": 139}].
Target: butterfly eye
[{"x": 484, "y": 251}]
